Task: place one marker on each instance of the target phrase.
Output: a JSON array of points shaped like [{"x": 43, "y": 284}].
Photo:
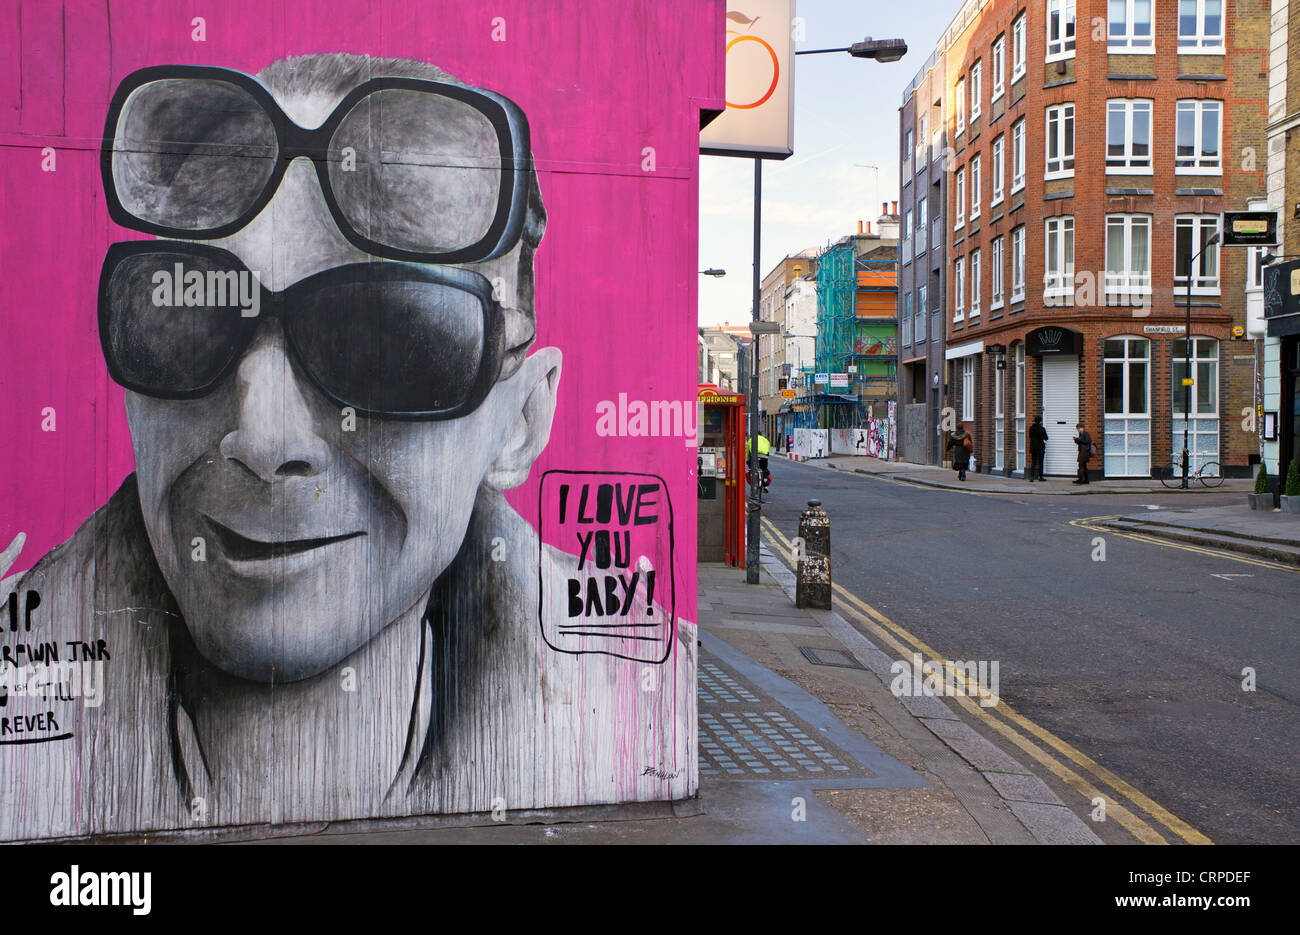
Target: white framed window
[
  {"x": 976, "y": 89},
  {"x": 999, "y": 420},
  {"x": 922, "y": 139},
  {"x": 1058, "y": 259},
  {"x": 960, "y": 191},
  {"x": 907, "y": 237},
  {"x": 1203, "y": 426},
  {"x": 974, "y": 283},
  {"x": 921, "y": 314},
  {"x": 921, "y": 225},
  {"x": 1020, "y": 407},
  {"x": 1018, "y": 264},
  {"x": 976, "y": 187},
  {"x": 1191, "y": 235},
  {"x": 999, "y": 67},
  {"x": 1060, "y": 141},
  {"x": 1128, "y": 254},
  {"x": 959, "y": 289},
  {"x": 1127, "y": 393},
  {"x": 1255, "y": 269},
  {"x": 1200, "y": 26},
  {"x": 1060, "y": 29},
  {"x": 1018, "y": 47},
  {"x": 1128, "y": 137},
  {"x": 967, "y": 389},
  {"x": 1198, "y": 132},
  {"x": 1131, "y": 26},
  {"x": 907, "y": 319},
  {"x": 961, "y": 106},
  {"x": 1205, "y": 377},
  {"x": 999, "y": 169},
  {"x": 1018, "y": 156},
  {"x": 998, "y": 263},
  {"x": 910, "y": 144}
]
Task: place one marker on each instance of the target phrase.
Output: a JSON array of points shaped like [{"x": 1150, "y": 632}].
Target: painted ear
[{"x": 536, "y": 381}]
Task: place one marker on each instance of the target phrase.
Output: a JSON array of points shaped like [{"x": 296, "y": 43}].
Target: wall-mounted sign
[
  {"x": 788, "y": 394},
  {"x": 821, "y": 379},
  {"x": 1249, "y": 228},
  {"x": 759, "y": 119},
  {"x": 1281, "y": 288},
  {"x": 839, "y": 381},
  {"x": 1053, "y": 339},
  {"x": 1164, "y": 329}
]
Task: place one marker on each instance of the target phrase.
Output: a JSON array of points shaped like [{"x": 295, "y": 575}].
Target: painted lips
[{"x": 243, "y": 549}]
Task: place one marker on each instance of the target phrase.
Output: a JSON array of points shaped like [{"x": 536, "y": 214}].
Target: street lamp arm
[{"x": 882, "y": 50}]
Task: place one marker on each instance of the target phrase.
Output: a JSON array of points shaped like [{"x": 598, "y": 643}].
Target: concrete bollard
[{"x": 813, "y": 574}]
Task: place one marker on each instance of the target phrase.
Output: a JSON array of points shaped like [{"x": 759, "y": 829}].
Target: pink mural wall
[{"x": 561, "y": 703}]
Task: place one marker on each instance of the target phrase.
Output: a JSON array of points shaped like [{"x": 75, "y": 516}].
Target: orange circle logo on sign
[{"x": 776, "y": 72}]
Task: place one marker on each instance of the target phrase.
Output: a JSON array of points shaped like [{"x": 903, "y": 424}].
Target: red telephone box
[{"x": 721, "y": 476}]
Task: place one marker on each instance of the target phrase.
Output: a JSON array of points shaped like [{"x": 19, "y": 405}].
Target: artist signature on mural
[{"x": 659, "y": 773}]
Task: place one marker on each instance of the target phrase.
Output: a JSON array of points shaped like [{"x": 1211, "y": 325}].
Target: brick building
[
  {"x": 778, "y": 357},
  {"x": 922, "y": 279},
  {"x": 1093, "y": 148}
]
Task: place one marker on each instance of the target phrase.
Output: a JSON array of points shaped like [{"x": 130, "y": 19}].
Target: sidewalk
[
  {"x": 800, "y": 741},
  {"x": 946, "y": 478},
  {"x": 1271, "y": 535}
]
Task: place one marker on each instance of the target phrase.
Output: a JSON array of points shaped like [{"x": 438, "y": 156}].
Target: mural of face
[{"x": 290, "y": 533}]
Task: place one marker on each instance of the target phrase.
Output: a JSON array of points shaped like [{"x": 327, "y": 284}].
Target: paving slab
[
  {"x": 1020, "y": 787},
  {"x": 1054, "y": 824},
  {"x": 973, "y": 747}
]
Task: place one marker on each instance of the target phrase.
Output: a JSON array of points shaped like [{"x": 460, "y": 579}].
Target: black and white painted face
[{"x": 319, "y": 530}]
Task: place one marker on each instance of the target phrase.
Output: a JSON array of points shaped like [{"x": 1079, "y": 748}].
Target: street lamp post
[
  {"x": 1187, "y": 353},
  {"x": 882, "y": 50}
]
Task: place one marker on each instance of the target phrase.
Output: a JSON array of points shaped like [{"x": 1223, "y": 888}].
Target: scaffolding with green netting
[
  {"x": 864, "y": 349},
  {"x": 837, "y": 293}
]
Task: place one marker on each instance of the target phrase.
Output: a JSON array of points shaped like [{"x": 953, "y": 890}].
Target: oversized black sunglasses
[{"x": 391, "y": 340}]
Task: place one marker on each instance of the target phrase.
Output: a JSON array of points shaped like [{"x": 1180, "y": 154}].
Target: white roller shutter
[{"x": 1061, "y": 413}]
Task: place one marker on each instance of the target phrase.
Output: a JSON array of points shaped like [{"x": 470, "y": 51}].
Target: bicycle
[{"x": 1171, "y": 475}]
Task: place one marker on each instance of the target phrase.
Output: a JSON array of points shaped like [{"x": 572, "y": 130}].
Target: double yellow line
[
  {"x": 1073, "y": 767},
  {"x": 1092, "y": 523}
]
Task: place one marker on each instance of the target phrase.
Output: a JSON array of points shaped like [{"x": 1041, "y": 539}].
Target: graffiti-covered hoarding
[{"x": 314, "y": 313}]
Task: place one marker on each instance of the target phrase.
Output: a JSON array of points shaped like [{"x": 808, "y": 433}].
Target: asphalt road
[{"x": 1136, "y": 660}]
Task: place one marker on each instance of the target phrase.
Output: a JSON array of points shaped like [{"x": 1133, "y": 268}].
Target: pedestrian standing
[
  {"x": 961, "y": 444},
  {"x": 1037, "y": 448},
  {"x": 1084, "y": 441}
]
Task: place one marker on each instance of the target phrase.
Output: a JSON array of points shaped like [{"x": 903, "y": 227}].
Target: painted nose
[{"x": 275, "y": 435}]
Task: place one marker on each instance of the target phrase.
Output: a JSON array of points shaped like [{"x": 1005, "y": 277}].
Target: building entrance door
[{"x": 1061, "y": 413}]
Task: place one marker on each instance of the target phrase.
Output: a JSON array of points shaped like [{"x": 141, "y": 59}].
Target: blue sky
[{"x": 846, "y": 118}]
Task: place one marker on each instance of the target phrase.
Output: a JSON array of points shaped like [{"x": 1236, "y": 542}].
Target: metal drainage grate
[{"x": 830, "y": 657}]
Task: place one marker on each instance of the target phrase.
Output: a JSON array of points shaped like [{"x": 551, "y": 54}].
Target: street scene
[{"x": 674, "y": 422}]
